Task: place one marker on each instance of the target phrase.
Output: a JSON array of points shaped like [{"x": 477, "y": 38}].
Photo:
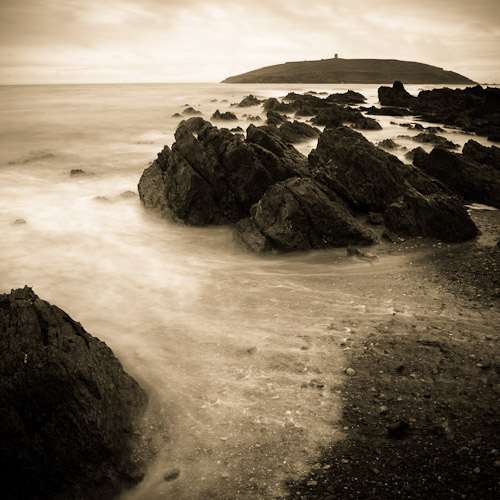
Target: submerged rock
[
  {"x": 67, "y": 407},
  {"x": 248, "y": 101},
  {"x": 437, "y": 140},
  {"x": 191, "y": 111},
  {"x": 223, "y": 116}
]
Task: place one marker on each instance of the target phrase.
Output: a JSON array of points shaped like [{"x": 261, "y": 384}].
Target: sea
[{"x": 241, "y": 354}]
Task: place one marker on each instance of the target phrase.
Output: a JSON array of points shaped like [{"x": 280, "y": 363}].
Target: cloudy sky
[{"x": 71, "y": 41}]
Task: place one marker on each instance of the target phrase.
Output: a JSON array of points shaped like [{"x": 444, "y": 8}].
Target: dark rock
[
  {"x": 375, "y": 218},
  {"x": 275, "y": 118},
  {"x": 388, "y": 144},
  {"x": 388, "y": 111},
  {"x": 252, "y": 118},
  {"x": 394, "y": 96},
  {"x": 67, "y": 407},
  {"x": 372, "y": 180},
  {"x": 300, "y": 214},
  {"x": 349, "y": 97},
  {"x": 176, "y": 115},
  {"x": 249, "y": 100},
  {"x": 272, "y": 104},
  {"x": 215, "y": 177},
  {"x": 436, "y": 140},
  {"x": 474, "y": 109},
  {"x": 398, "y": 430},
  {"x": 365, "y": 123},
  {"x": 473, "y": 181},
  {"x": 172, "y": 475},
  {"x": 435, "y": 215},
  {"x": 77, "y": 172},
  {"x": 295, "y": 131},
  {"x": 481, "y": 154},
  {"x": 191, "y": 112},
  {"x": 237, "y": 130},
  {"x": 223, "y": 116},
  {"x": 415, "y": 153}
]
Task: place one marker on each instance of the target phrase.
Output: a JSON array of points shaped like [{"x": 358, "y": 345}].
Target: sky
[{"x": 110, "y": 41}]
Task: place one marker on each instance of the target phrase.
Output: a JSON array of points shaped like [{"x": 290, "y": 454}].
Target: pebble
[
  {"x": 312, "y": 483},
  {"x": 496, "y": 464},
  {"x": 172, "y": 475},
  {"x": 384, "y": 410},
  {"x": 350, "y": 372},
  {"x": 224, "y": 475}
]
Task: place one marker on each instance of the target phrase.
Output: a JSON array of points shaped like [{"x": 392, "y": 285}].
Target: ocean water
[{"x": 226, "y": 343}]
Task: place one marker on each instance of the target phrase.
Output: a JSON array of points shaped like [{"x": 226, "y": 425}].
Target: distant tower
[{"x": 336, "y": 56}]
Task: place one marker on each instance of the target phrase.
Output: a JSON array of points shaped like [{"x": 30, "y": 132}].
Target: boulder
[
  {"x": 214, "y": 177},
  {"x": 437, "y": 140},
  {"x": 395, "y": 95},
  {"x": 295, "y": 132},
  {"x": 191, "y": 111},
  {"x": 473, "y": 181},
  {"x": 366, "y": 123},
  {"x": 435, "y": 215},
  {"x": 300, "y": 214},
  {"x": 67, "y": 407},
  {"x": 482, "y": 154}
]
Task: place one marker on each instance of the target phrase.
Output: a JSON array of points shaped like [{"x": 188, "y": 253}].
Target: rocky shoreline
[{"x": 420, "y": 415}]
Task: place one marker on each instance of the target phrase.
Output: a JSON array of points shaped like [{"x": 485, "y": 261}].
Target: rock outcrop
[
  {"x": 484, "y": 155},
  {"x": 372, "y": 180},
  {"x": 395, "y": 95},
  {"x": 472, "y": 181},
  {"x": 249, "y": 100},
  {"x": 211, "y": 176},
  {"x": 295, "y": 132},
  {"x": 67, "y": 407},
  {"x": 300, "y": 214}
]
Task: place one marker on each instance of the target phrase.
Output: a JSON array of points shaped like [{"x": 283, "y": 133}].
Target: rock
[
  {"x": 398, "y": 430},
  {"x": 437, "y": 140},
  {"x": 365, "y": 123},
  {"x": 372, "y": 180},
  {"x": 474, "y": 182},
  {"x": 67, "y": 407},
  {"x": 295, "y": 131},
  {"x": 435, "y": 215},
  {"x": 411, "y": 155},
  {"x": 101, "y": 199},
  {"x": 19, "y": 222},
  {"x": 474, "y": 109},
  {"x": 350, "y": 372},
  {"x": 388, "y": 144},
  {"x": 349, "y": 97},
  {"x": 214, "y": 177},
  {"x": 375, "y": 218},
  {"x": 275, "y": 118},
  {"x": 128, "y": 195},
  {"x": 172, "y": 475},
  {"x": 387, "y": 111},
  {"x": 336, "y": 116},
  {"x": 176, "y": 115},
  {"x": 252, "y": 118},
  {"x": 191, "y": 112},
  {"x": 383, "y": 410},
  {"x": 395, "y": 96},
  {"x": 481, "y": 154},
  {"x": 77, "y": 172},
  {"x": 300, "y": 214},
  {"x": 356, "y": 252},
  {"x": 249, "y": 100},
  {"x": 223, "y": 116},
  {"x": 272, "y": 104}
]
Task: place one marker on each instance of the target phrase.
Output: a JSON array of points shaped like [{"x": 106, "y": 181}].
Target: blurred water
[{"x": 227, "y": 343}]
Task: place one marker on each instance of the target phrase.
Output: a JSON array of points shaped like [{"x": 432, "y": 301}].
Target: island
[{"x": 338, "y": 70}]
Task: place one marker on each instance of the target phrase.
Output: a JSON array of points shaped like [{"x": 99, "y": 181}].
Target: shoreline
[{"x": 420, "y": 417}]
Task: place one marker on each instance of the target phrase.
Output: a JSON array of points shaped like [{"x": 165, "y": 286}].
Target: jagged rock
[
  {"x": 365, "y": 123},
  {"x": 77, "y": 172},
  {"x": 395, "y": 95},
  {"x": 275, "y": 118},
  {"x": 435, "y": 215},
  {"x": 371, "y": 180},
  {"x": 300, "y": 214},
  {"x": 437, "y": 140},
  {"x": 215, "y": 177},
  {"x": 388, "y": 144},
  {"x": 272, "y": 104},
  {"x": 67, "y": 407},
  {"x": 191, "y": 112},
  {"x": 252, "y": 118},
  {"x": 336, "y": 116},
  {"x": 223, "y": 116},
  {"x": 249, "y": 100},
  {"x": 474, "y": 109},
  {"x": 473, "y": 181},
  {"x": 349, "y": 97},
  {"x": 295, "y": 131},
  {"x": 414, "y": 153},
  {"x": 481, "y": 154}
]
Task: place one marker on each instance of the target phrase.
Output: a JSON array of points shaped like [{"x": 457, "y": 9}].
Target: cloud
[{"x": 207, "y": 41}]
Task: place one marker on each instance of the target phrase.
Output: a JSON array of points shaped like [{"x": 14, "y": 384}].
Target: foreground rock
[
  {"x": 372, "y": 180},
  {"x": 300, "y": 214},
  {"x": 473, "y": 181},
  {"x": 211, "y": 176},
  {"x": 67, "y": 407}
]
